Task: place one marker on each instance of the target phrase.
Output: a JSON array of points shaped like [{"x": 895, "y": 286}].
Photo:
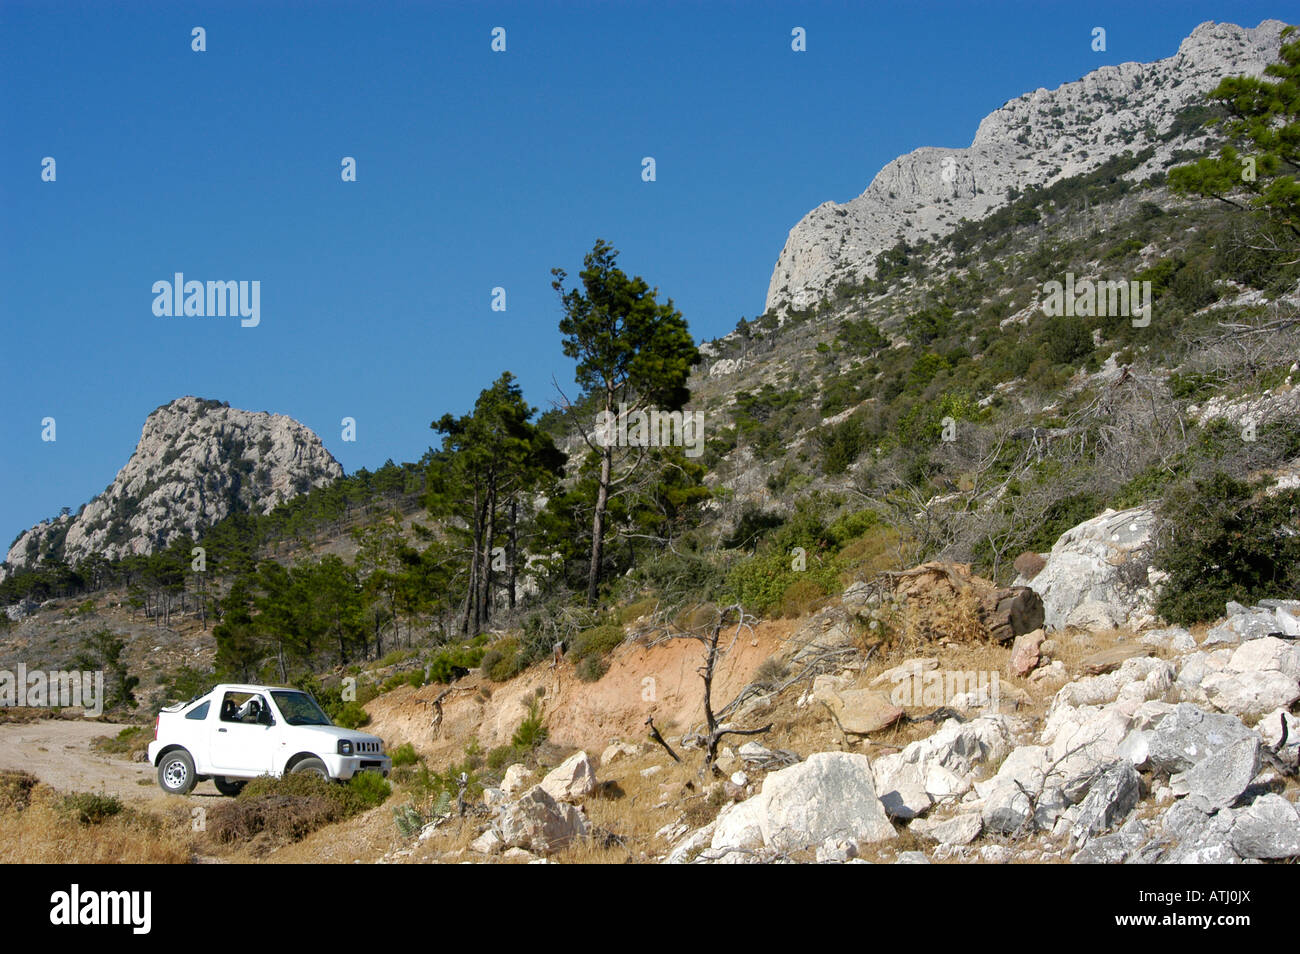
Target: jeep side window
[
  {"x": 198, "y": 712},
  {"x": 229, "y": 710}
]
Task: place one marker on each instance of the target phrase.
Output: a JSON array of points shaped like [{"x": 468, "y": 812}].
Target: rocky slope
[
  {"x": 197, "y": 461},
  {"x": 1035, "y": 140},
  {"x": 1099, "y": 746}
]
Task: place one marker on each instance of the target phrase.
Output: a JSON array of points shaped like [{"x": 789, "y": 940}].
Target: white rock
[
  {"x": 1250, "y": 694},
  {"x": 488, "y": 843},
  {"x": 572, "y": 780},
  {"x": 1268, "y": 654},
  {"x": 539, "y": 823},
  {"x": 517, "y": 778},
  {"x": 618, "y": 750},
  {"x": 829, "y": 794}
]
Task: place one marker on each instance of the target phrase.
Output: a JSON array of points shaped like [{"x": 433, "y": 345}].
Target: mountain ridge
[{"x": 1038, "y": 138}]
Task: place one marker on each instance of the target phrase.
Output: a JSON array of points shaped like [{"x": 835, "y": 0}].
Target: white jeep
[{"x": 238, "y": 732}]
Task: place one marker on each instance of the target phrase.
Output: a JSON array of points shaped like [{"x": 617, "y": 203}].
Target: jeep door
[{"x": 243, "y": 737}]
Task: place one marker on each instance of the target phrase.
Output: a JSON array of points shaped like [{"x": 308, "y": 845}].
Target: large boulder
[
  {"x": 572, "y": 780},
  {"x": 1083, "y": 580},
  {"x": 539, "y": 823},
  {"x": 1250, "y": 694},
  {"x": 828, "y": 795}
]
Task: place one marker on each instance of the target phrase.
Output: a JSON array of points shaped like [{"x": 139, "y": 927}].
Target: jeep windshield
[{"x": 298, "y": 708}]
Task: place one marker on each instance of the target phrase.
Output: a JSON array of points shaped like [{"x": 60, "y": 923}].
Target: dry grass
[{"x": 45, "y": 832}]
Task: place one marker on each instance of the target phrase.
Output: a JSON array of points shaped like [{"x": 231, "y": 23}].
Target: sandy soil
[{"x": 662, "y": 681}]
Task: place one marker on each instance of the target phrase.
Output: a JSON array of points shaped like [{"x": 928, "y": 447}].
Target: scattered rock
[
  {"x": 901, "y": 787},
  {"x": 836, "y": 851},
  {"x": 1250, "y": 694},
  {"x": 1108, "y": 660},
  {"x": 1026, "y": 652},
  {"x": 858, "y": 711},
  {"x": 1181, "y": 740},
  {"x": 1242, "y": 625},
  {"x": 959, "y": 830},
  {"x": 907, "y": 670},
  {"x": 1176, "y": 639},
  {"x": 1269, "y": 828},
  {"x": 488, "y": 843},
  {"x": 618, "y": 750}
]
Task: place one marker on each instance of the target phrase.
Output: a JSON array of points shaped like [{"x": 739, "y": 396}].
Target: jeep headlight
[{"x": 345, "y": 746}]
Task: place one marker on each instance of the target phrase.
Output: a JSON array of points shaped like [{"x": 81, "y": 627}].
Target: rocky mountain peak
[
  {"x": 197, "y": 462},
  {"x": 1034, "y": 140}
]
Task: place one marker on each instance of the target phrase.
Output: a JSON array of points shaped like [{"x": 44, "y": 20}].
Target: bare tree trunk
[
  {"x": 598, "y": 526},
  {"x": 512, "y": 552},
  {"x": 471, "y": 597},
  {"x": 488, "y": 536}
]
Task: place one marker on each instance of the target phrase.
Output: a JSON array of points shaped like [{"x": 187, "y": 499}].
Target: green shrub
[
  {"x": 394, "y": 657},
  {"x": 90, "y": 808},
  {"x": 404, "y": 754},
  {"x": 760, "y": 583},
  {"x": 351, "y": 716},
  {"x": 802, "y": 596},
  {"x": 841, "y": 445},
  {"x": 531, "y": 733},
  {"x": 597, "y": 641},
  {"x": 1222, "y": 539},
  {"x": 591, "y": 668},
  {"x": 132, "y": 739},
  {"x": 500, "y": 757},
  {"x": 503, "y": 660},
  {"x": 363, "y": 791},
  {"x": 413, "y": 677},
  {"x": 465, "y": 656}
]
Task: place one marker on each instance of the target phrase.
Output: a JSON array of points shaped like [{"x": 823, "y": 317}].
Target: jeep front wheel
[
  {"x": 176, "y": 773},
  {"x": 313, "y": 766},
  {"x": 229, "y": 786}
]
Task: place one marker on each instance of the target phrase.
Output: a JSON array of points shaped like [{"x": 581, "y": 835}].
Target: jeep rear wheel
[
  {"x": 229, "y": 786},
  {"x": 176, "y": 773},
  {"x": 313, "y": 766}
]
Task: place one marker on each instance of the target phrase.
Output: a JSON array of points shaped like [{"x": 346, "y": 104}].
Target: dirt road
[{"x": 58, "y": 752}]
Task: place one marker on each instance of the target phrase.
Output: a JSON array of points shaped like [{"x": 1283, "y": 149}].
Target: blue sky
[{"x": 475, "y": 170}]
